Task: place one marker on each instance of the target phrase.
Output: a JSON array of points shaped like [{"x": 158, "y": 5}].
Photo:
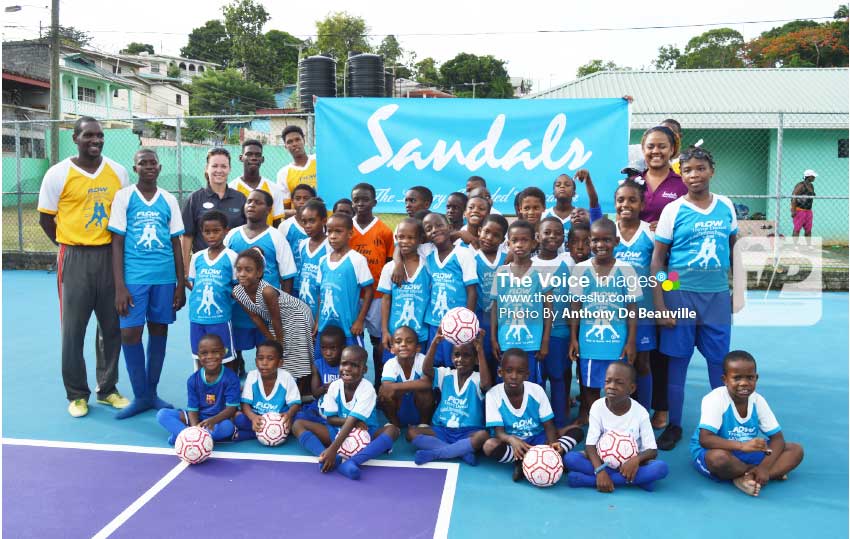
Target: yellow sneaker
[
  {"x": 78, "y": 408},
  {"x": 116, "y": 400}
]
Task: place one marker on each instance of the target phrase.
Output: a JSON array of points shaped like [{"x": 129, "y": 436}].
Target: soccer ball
[
  {"x": 542, "y": 466},
  {"x": 615, "y": 448},
  {"x": 274, "y": 431},
  {"x": 459, "y": 325},
  {"x": 356, "y": 441},
  {"x": 194, "y": 445}
]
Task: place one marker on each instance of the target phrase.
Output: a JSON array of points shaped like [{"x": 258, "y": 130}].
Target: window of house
[
  {"x": 89, "y": 95},
  {"x": 842, "y": 147},
  {"x": 200, "y": 69},
  {"x": 191, "y": 67},
  {"x": 179, "y": 99},
  {"x": 115, "y": 93},
  {"x": 154, "y": 67},
  {"x": 116, "y": 69}
]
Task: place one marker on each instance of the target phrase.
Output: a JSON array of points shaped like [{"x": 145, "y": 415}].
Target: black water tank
[
  {"x": 317, "y": 76},
  {"x": 389, "y": 82},
  {"x": 366, "y": 76}
]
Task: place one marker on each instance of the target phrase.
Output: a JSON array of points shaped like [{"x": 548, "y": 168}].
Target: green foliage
[
  {"x": 597, "y": 65},
  {"x": 340, "y": 33},
  {"x": 199, "y": 130},
  {"x": 842, "y": 12},
  {"x": 464, "y": 69},
  {"x": 173, "y": 71},
  {"x": 136, "y": 48},
  {"x": 668, "y": 55},
  {"x": 426, "y": 72},
  {"x": 227, "y": 92},
  {"x": 244, "y": 21},
  {"x": 71, "y": 37},
  {"x": 210, "y": 43},
  {"x": 788, "y": 28},
  {"x": 717, "y": 48},
  {"x": 282, "y": 59},
  {"x": 156, "y": 129}
]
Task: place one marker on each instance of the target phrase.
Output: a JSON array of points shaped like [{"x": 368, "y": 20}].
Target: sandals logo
[{"x": 669, "y": 281}]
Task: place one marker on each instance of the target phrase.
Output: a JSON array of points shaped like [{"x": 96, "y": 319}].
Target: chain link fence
[{"x": 760, "y": 158}]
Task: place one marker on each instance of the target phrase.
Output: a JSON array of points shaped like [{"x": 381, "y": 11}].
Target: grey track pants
[{"x": 85, "y": 285}]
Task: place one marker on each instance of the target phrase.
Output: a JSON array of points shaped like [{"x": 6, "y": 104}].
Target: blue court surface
[{"x": 95, "y": 476}]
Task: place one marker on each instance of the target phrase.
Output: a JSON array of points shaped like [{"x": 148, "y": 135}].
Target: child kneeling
[
  {"x": 729, "y": 443},
  {"x": 348, "y": 404},
  {"x": 617, "y": 412}
]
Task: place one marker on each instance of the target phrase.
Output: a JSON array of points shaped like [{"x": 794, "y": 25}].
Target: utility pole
[
  {"x": 55, "y": 89},
  {"x": 473, "y": 84}
]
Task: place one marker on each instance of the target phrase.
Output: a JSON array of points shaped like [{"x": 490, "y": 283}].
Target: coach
[{"x": 74, "y": 204}]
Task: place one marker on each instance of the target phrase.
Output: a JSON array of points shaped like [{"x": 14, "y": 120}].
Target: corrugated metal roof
[{"x": 734, "y": 98}]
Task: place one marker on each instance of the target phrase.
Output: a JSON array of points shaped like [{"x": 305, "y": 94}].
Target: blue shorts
[
  {"x": 407, "y": 412},
  {"x": 152, "y": 303},
  {"x": 593, "y": 372},
  {"x": 223, "y": 330},
  {"x": 537, "y": 439},
  {"x": 753, "y": 459},
  {"x": 451, "y": 436},
  {"x": 557, "y": 364},
  {"x": 647, "y": 337},
  {"x": 710, "y": 332},
  {"x": 247, "y": 338}
]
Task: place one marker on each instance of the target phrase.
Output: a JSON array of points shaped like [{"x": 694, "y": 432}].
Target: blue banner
[{"x": 395, "y": 144}]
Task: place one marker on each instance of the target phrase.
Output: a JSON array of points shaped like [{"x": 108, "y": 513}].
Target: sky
[{"x": 537, "y": 38}]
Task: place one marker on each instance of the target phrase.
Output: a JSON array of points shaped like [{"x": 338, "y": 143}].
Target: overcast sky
[{"x": 508, "y": 30}]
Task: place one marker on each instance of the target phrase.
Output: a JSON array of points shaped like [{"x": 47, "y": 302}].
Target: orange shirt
[{"x": 376, "y": 243}]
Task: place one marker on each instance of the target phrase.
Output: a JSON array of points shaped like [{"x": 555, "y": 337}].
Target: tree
[
  {"x": 173, "y": 71},
  {"x": 244, "y": 21},
  {"x": 210, "y": 43},
  {"x": 227, "y": 92},
  {"x": 71, "y": 37},
  {"x": 394, "y": 55},
  {"x": 842, "y": 12},
  {"x": 718, "y": 48},
  {"x": 426, "y": 72},
  {"x": 340, "y": 33},
  {"x": 597, "y": 65},
  {"x": 810, "y": 47},
  {"x": 282, "y": 57},
  {"x": 136, "y": 48},
  {"x": 464, "y": 69},
  {"x": 199, "y": 130},
  {"x": 668, "y": 55}
]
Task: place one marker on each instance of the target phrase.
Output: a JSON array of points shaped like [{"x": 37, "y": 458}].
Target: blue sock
[
  {"x": 380, "y": 445},
  {"x": 311, "y": 443},
  {"x": 423, "y": 441},
  {"x": 223, "y": 430},
  {"x": 644, "y": 390},
  {"x": 677, "y": 371},
  {"x": 558, "y": 388},
  {"x": 244, "y": 427},
  {"x": 645, "y": 477},
  {"x": 134, "y": 357},
  {"x": 156, "y": 358},
  {"x": 715, "y": 373},
  {"x": 579, "y": 480},
  {"x": 171, "y": 421},
  {"x": 576, "y": 461},
  {"x": 457, "y": 449}
]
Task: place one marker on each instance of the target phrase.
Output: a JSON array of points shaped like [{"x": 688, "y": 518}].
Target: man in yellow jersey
[
  {"x": 252, "y": 158},
  {"x": 74, "y": 204},
  {"x": 301, "y": 170}
]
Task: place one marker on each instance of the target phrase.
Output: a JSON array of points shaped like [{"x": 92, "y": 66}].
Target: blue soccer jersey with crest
[
  {"x": 602, "y": 334},
  {"x": 558, "y": 271},
  {"x": 393, "y": 371},
  {"x": 528, "y": 419},
  {"x": 486, "y": 270},
  {"x": 522, "y": 326},
  {"x": 308, "y": 283},
  {"x": 147, "y": 227},
  {"x": 699, "y": 242},
  {"x": 410, "y": 300},
  {"x": 459, "y": 407},
  {"x": 283, "y": 396},
  {"x": 209, "y": 399},
  {"x": 339, "y": 294},
  {"x": 449, "y": 279},
  {"x": 361, "y": 405},
  {"x": 210, "y": 300},
  {"x": 327, "y": 373},
  {"x": 719, "y": 416},
  {"x": 638, "y": 253}
]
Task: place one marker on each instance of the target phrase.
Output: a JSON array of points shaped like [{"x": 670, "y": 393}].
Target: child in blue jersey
[
  {"x": 557, "y": 367},
  {"x": 620, "y": 413},
  {"x": 738, "y": 437},
  {"x": 695, "y": 238},
  {"x": 311, "y": 250},
  {"x": 405, "y": 304},
  {"x": 212, "y": 274},
  {"x": 489, "y": 257},
  {"x": 458, "y": 423},
  {"x": 326, "y": 364},
  {"x": 578, "y": 246},
  {"x": 342, "y": 274},
  {"x": 453, "y": 279},
  {"x": 213, "y": 396},
  {"x": 520, "y": 299},
  {"x": 530, "y": 203},
  {"x": 147, "y": 264},
  {"x": 602, "y": 289},
  {"x": 402, "y": 400},
  {"x": 520, "y": 416},
  {"x": 636, "y": 245},
  {"x": 267, "y": 389},
  {"x": 292, "y": 229},
  {"x": 564, "y": 191},
  {"x": 348, "y": 404},
  {"x": 279, "y": 265},
  {"x": 477, "y": 209}
]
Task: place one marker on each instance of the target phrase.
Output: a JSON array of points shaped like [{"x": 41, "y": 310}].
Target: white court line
[
  {"x": 140, "y": 502},
  {"x": 443, "y": 515}
]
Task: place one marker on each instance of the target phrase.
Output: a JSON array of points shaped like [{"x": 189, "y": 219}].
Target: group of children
[{"x": 554, "y": 287}]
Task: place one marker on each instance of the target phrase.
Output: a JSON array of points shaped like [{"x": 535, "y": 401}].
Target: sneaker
[
  {"x": 115, "y": 400},
  {"x": 668, "y": 439},
  {"x": 659, "y": 419},
  {"x": 78, "y": 408}
]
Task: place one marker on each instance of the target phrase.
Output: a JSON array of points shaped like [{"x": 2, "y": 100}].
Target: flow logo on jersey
[
  {"x": 524, "y": 425},
  {"x": 209, "y": 272},
  {"x": 455, "y": 402},
  {"x": 741, "y": 432},
  {"x": 264, "y": 407}
]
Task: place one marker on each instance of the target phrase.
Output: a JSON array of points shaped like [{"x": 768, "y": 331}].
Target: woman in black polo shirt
[{"x": 216, "y": 195}]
